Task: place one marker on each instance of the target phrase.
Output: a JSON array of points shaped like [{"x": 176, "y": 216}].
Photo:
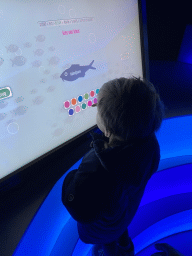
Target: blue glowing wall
[{"x": 185, "y": 54}]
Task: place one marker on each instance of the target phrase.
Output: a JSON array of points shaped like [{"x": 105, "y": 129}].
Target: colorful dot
[
  {"x": 84, "y": 106},
  {"x": 92, "y": 93},
  {"x": 97, "y": 91},
  {"x": 80, "y": 98},
  {"x": 95, "y": 100},
  {"x": 86, "y": 96},
  {"x": 71, "y": 111},
  {"x": 73, "y": 101},
  {"x": 66, "y": 104},
  {"x": 89, "y": 103},
  {"x": 77, "y": 109}
]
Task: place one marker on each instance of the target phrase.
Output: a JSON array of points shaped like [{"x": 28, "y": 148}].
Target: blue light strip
[
  {"x": 171, "y": 225},
  {"x": 163, "y": 184},
  {"x": 175, "y": 137}
]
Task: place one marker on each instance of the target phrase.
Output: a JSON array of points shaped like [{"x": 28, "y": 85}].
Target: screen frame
[{"x": 14, "y": 178}]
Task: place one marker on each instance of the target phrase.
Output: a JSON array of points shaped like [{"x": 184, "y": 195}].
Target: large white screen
[{"x": 54, "y": 56}]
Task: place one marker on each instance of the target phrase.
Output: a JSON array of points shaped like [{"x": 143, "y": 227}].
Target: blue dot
[
  {"x": 71, "y": 112},
  {"x": 80, "y": 98}
]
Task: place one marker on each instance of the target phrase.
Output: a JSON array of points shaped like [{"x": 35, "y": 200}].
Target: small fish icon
[
  {"x": 75, "y": 71},
  {"x": 18, "y": 61}
]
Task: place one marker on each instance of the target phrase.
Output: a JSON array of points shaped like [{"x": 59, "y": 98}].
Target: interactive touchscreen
[{"x": 54, "y": 57}]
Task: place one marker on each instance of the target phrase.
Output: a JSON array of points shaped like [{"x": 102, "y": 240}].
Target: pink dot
[
  {"x": 66, "y": 104},
  {"x": 89, "y": 103},
  {"x": 92, "y": 93},
  {"x": 77, "y": 109}
]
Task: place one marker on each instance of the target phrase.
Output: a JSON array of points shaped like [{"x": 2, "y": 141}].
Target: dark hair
[{"x": 130, "y": 108}]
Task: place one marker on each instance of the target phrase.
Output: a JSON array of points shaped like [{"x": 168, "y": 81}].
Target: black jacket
[{"x": 104, "y": 193}]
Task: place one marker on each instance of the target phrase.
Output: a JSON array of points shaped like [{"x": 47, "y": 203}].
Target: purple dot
[
  {"x": 71, "y": 112},
  {"x": 95, "y": 100}
]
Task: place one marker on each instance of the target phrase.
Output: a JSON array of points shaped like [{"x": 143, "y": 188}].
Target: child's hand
[{"x": 167, "y": 249}]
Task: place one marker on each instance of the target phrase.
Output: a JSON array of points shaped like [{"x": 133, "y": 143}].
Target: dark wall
[{"x": 166, "y": 23}]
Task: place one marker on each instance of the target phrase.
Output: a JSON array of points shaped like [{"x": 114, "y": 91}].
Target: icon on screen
[
  {"x": 75, "y": 71},
  {"x": 5, "y": 93}
]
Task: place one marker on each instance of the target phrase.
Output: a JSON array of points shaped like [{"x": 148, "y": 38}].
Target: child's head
[{"x": 129, "y": 108}]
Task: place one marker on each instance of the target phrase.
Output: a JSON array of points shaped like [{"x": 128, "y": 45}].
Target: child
[{"x": 104, "y": 193}]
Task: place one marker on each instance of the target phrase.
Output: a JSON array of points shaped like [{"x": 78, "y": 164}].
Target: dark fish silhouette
[{"x": 75, "y": 72}]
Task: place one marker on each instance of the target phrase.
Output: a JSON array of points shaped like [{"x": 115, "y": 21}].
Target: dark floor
[{"x": 174, "y": 81}]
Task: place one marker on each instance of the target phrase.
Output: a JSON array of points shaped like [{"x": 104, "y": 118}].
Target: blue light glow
[
  {"x": 185, "y": 54},
  {"x": 53, "y": 232}
]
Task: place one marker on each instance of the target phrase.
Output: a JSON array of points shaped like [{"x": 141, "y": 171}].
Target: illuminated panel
[{"x": 185, "y": 54}]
